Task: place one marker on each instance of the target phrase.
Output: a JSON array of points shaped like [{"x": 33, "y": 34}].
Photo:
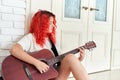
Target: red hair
[{"x": 39, "y": 27}]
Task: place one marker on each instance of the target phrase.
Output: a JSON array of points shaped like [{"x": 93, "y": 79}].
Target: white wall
[
  {"x": 12, "y": 18},
  {"x": 116, "y": 36}
]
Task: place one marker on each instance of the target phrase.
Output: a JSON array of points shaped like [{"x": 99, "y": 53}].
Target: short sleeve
[{"x": 25, "y": 42}]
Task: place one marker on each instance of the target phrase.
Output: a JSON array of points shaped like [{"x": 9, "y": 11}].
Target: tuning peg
[{"x": 91, "y": 49}]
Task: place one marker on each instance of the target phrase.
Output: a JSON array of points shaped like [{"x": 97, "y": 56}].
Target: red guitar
[{"x": 15, "y": 69}]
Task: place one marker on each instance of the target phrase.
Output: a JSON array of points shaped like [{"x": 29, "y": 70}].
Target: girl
[{"x": 42, "y": 30}]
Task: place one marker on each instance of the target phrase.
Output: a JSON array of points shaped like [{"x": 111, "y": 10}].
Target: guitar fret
[{"x": 52, "y": 61}]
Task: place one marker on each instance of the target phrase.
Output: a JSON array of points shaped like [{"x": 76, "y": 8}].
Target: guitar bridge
[{"x": 27, "y": 72}]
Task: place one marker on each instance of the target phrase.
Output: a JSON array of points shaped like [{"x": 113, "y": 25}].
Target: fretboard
[
  {"x": 89, "y": 45},
  {"x": 60, "y": 57}
]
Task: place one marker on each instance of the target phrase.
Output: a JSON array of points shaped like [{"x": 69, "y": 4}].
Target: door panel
[
  {"x": 98, "y": 59},
  {"x": 68, "y": 43}
]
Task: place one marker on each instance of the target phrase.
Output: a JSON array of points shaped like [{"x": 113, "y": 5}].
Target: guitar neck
[
  {"x": 74, "y": 51},
  {"x": 89, "y": 45},
  {"x": 60, "y": 57}
]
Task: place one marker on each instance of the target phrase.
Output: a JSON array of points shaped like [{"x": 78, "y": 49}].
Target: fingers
[
  {"x": 43, "y": 70},
  {"x": 81, "y": 50},
  {"x": 82, "y": 54},
  {"x": 42, "y": 67}
]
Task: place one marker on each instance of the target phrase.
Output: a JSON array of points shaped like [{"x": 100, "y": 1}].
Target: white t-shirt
[{"x": 29, "y": 44}]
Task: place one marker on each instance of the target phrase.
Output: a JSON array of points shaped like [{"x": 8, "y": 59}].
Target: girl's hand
[
  {"x": 82, "y": 54},
  {"x": 41, "y": 66}
]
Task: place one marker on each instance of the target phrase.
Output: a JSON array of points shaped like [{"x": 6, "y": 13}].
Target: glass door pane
[
  {"x": 72, "y": 9},
  {"x": 101, "y": 15}
]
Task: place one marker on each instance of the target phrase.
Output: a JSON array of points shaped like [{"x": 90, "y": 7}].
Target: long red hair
[{"x": 39, "y": 27}]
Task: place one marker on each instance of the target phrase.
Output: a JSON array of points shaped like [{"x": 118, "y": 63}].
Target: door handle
[
  {"x": 85, "y": 8},
  {"x": 94, "y": 9}
]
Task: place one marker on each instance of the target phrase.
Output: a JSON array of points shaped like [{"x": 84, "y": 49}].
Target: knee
[
  {"x": 60, "y": 78},
  {"x": 70, "y": 57}
]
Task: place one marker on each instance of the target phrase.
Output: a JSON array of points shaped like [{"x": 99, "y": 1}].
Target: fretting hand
[{"x": 82, "y": 54}]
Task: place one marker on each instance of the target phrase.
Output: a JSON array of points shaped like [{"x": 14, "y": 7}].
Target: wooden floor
[{"x": 105, "y": 75}]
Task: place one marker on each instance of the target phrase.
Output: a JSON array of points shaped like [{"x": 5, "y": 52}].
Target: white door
[
  {"x": 72, "y": 24},
  {"x": 78, "y": 23},
  {"x": 94, "y": 23},
  {"x": 100, "y": 30}
]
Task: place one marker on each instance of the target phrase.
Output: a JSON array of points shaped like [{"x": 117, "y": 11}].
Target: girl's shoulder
[{"x": 29, "y": 35}]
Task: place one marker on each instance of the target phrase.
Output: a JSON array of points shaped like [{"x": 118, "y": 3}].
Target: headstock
[{"x": 89, "y": 45}]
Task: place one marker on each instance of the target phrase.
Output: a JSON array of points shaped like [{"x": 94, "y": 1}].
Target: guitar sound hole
[{"x": 44, "y": 61}]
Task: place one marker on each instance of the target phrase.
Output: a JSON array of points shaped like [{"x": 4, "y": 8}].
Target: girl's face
[{"x": 51, "y": 25}]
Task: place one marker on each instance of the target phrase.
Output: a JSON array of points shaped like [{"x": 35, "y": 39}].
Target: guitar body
[{"x": 12, "y": 68}]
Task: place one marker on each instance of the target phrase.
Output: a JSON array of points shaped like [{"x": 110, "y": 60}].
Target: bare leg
[{"x": 71, "y": 64}]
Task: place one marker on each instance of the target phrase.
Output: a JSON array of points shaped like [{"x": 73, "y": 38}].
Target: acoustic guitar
[{"x": 15, "y": 69}]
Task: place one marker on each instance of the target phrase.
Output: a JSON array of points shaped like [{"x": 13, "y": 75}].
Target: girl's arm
[{"x": 19, "y": 53}]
